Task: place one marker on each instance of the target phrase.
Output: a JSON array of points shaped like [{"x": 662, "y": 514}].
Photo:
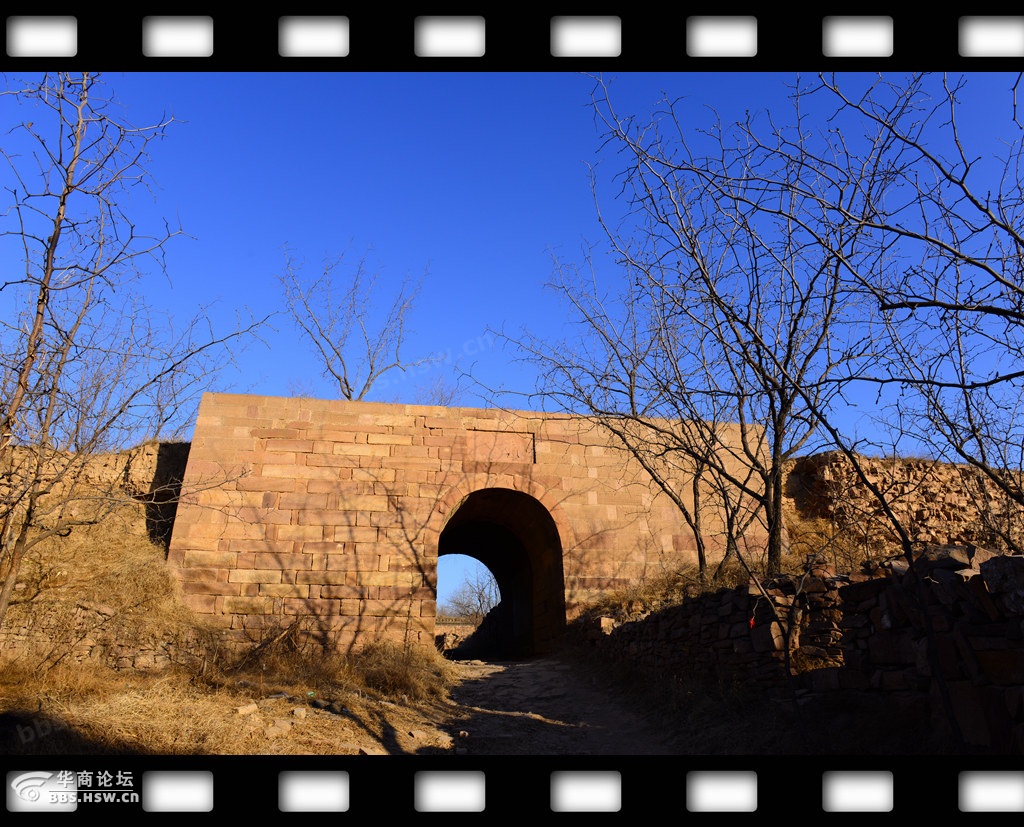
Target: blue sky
[{"x": 469, "y": 180}]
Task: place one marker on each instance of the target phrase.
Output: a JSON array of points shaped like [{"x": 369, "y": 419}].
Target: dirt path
[{"x": 546, "y": 706}]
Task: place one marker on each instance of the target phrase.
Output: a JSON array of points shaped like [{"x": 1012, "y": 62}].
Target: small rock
[
  {"x": 348, "y": 748},
  {"x": 372, "y": 751},
  {"x": 248, "y": 709},
  {"x": 299, "y": 712},
  {"x": 279, "y": 727}
]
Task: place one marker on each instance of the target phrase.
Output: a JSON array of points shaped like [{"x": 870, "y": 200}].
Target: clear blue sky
[{"x": 471, "y": 179}]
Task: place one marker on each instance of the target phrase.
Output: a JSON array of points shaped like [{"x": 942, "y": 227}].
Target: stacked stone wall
[
  {"x": 945, "y": 637},
  {"x": 936, "y": 502},
  {"x": 89, "y": 632}
]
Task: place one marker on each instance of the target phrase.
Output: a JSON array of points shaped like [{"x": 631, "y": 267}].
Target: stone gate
[{"x": 335, "y": 513}]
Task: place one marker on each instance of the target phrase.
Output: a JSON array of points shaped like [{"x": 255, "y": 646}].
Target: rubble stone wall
[
  {"x": 938, "y": 503},
  {"x": 951, "y": 628},
  {"x": 87, "y": 631}
]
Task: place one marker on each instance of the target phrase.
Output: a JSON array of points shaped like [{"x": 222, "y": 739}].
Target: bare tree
[
  {"x": 925, "y": 229},
  {"x": 474, "y": 598},
  {"x": 86, "y": 366},
  {"x": 869, "y": 247},
  {"x": 945, "y": 271},
  {"x": 439, "y": 391},
  {"x": 728, "y": 310},
  {"x": 335, "y": 313}
]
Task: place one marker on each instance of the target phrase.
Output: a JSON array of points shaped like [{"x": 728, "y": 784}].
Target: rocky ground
[
  {"x": 542, "y": 706},
  {"x": 546, "y": 706},
  {"x": 555, "y": 705}
]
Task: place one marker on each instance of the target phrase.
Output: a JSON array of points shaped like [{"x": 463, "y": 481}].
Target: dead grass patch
[
  {"x": 415, "y": 673},
  {"x": 109, "y": 584},
  {"x": 376, "y": 698}
]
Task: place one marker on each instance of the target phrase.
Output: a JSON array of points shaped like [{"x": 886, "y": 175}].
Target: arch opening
[
  {"x": 466, "y": 589},
  {"x": 515, "y": 537}
]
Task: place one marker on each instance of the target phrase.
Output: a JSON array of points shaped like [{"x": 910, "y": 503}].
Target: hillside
[{"x": 99, "y": 655}]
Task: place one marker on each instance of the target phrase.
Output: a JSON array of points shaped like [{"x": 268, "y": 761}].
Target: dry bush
[
  {"x": 413, "y": 672},
  {"x": 647, "y": 594},
  {"x": 810, "y": 541},
  {"x": 112, "y": 566},
  {"x": 825, "y": 540},
  {"x": 287, "y": 659}
]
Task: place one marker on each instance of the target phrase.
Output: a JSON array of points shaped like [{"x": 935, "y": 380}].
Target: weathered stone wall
[
  {"x": 734, "y": 634},
  {"x": 333, "y": 511},
  {"x": 88, "y": 631},
  {"x": 975, "y": 603},
  {"x": 83, "y": 487},
  {"x": 860, "y": 635},
  {"x": 936, "y": 502}
]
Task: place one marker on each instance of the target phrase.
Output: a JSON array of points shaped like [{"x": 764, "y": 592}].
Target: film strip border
[
  {"x": 383, "y": 38},
  {"x": 416, "y": 788},
  {"x": 410, "y": 786}
]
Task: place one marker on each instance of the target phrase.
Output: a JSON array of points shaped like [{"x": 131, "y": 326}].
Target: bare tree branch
[
  {"x": 335, "y": 315},
  {"x": 87, "y": 367}
]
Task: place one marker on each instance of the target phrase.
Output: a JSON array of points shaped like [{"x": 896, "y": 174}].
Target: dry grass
[
  {"x": 51, "y": 703},
  {"x": 93, "y": 710},
  {"x": 113, "y": 566},
  {"x": 381, "y": 670},
  {"x": 412, "y": 672}
]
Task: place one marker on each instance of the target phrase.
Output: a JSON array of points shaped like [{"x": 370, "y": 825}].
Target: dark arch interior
[{"x": 514, "y": 536}]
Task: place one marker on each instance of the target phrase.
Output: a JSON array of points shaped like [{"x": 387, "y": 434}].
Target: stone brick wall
[{"x": 333, "y": 511}]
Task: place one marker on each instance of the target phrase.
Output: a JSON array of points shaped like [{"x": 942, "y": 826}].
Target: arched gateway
[
  {"x": 515, "y": 537},
  {"x": 333, "y": 514}
]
